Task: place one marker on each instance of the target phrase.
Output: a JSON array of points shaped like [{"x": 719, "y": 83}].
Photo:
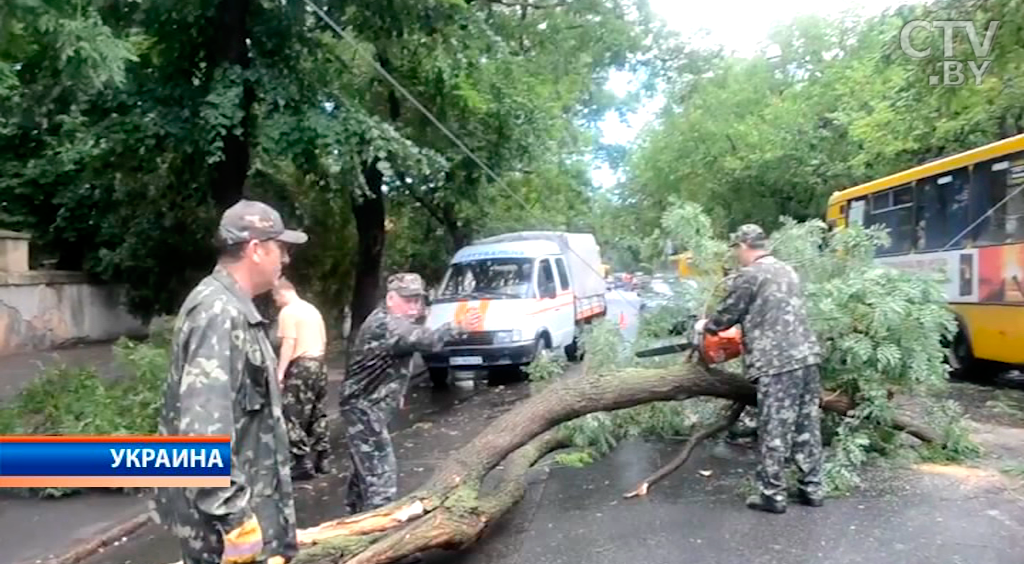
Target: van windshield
[{"x": 497, "y": 278}]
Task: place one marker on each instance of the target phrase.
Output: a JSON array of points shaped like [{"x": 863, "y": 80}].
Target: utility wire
[{"x": 412, "y": 99}]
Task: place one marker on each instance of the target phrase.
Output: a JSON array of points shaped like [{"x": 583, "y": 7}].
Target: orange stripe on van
[{"x": 562, "y": 300}]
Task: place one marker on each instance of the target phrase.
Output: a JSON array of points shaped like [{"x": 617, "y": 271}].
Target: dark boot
[
  {"x": 302, "y": 468},
  {"x": 806, "y": 499},
  {"x": 322, "y": 465},
  {"x": 764, "y": 503}
]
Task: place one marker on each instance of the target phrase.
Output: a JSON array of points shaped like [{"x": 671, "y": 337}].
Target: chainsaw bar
[{"x": 667, "y": 349}]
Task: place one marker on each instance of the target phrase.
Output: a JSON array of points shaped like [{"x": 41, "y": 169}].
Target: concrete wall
[{"x": 46, "y": 309}]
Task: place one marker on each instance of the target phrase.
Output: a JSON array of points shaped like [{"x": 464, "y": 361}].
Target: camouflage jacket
[
  {"x": 222, "y": 382},
  {"x": 380, "y": 361},
  {"x": 766, "y": 298}
]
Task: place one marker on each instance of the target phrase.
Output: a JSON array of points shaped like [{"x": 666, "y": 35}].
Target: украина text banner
[{"x": 114, "y": 461}]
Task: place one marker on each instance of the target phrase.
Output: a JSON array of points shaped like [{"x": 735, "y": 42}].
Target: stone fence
[{"x": 45, "y": 309}]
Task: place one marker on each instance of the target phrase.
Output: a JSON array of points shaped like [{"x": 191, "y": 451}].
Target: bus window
[
  {"x": 855, "y": 213},
  {"x": 942, "y": 211},
  {"x": 994, "y": 180},
  {"x": 894, "y": 209}
]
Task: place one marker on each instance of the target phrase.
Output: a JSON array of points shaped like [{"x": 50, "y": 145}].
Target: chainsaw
[{"x": 713, "y": 349}]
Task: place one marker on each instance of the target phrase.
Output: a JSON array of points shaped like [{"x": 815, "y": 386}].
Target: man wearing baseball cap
[
  {"x": 375, "y": 382},
  {"x": 782, "y": 354},
  {"x": 222, "y": 382}
]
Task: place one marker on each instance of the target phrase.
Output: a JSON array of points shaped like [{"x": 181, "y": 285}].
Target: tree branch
[
  {"x": 530, "y": 5},
  {"x": 735, "y": 410},
  {"x": 431, "y": 208}
]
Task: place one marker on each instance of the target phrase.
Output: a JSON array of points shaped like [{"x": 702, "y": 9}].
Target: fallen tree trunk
[{"x": 449, "y": 511}]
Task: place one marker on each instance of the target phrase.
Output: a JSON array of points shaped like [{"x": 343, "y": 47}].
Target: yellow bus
[
  {"x": 682, "y": 264},
  {"x": 963, "y": 215}
]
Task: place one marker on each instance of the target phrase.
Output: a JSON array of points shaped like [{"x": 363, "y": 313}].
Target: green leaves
[{"x": 221, "y": 113}]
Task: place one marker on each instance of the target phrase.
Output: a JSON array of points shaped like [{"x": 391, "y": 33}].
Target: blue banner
[{"x": 115, "y": 458}]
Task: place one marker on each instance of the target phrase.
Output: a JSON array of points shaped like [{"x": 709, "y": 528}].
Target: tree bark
[
  {"x": 369, "y": 212},
  {"x": 230, "y": 49}
]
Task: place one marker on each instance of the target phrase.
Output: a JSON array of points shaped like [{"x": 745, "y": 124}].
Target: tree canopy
[{"x": 126, "y": 127}]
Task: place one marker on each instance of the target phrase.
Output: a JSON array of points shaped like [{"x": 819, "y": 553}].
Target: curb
[
  {"x": 101, "y": 541},
  {"x": 90, "y": 547}
]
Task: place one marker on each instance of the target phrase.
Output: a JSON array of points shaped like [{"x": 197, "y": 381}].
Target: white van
[{"x": 535, "y": 292}]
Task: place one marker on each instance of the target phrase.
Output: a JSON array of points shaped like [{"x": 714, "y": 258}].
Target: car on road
[{"x": 675, "y": 298}]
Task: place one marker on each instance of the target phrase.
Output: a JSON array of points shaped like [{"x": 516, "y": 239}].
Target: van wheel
[
  {"x": 964, "y": 366},
  {"x": 439, "y": 376},
  {"x": 541, "y": 349},
  {"x": 519, "y": 373}
]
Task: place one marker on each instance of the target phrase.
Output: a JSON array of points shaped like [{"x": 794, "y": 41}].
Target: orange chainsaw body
[{"x": 724, "y": 346}]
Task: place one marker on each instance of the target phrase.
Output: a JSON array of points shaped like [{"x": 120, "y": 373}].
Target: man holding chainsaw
[{"x": 782, "y": 355}]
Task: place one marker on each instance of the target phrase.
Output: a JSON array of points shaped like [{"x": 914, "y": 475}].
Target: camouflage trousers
[
  {"x": 789, "y": 427},
  {"x": 202, "y": 542},
  {"x": 373, "y": 481},
  {"x": 304, "y": 398}
]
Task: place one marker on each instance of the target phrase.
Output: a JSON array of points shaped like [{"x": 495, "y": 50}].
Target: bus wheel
[{"x": 963, "y": 363}]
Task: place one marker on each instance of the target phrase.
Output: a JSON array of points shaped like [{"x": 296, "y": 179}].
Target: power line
[{"x": 458, "y": 142}]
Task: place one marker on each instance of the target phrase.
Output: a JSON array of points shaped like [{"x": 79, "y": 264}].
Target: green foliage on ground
[
  {"x": 881, "y": 329},
  {"x": 78, "y": 401}
]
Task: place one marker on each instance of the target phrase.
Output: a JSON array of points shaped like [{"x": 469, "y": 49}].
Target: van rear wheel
[{"x": 573, "y": 351}]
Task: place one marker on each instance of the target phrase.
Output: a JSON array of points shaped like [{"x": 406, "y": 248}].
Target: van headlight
[{"x": 513, "y": 336}]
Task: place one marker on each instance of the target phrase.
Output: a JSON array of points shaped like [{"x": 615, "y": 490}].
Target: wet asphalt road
[{"x": 578, "y": 515}]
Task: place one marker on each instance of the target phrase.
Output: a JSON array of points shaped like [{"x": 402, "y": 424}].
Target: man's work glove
[
  {"x": 243, "y": 544},
  {"x": 699, "y": 326}
]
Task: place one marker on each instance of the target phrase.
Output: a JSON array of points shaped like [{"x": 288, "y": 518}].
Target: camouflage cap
[
  {"x": 249, "y": 220},
  {"x": 751, "y": 235},
  {"x": 407, "y": 284}
]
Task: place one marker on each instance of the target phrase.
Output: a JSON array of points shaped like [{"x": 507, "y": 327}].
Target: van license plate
[{"x": 466, "y": 360}]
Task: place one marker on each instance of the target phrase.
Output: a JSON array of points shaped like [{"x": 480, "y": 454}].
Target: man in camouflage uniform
[
  {"x": 375, "y": 383},
  {"x": 782, "y": 355},
  {"x": 303, "y": 374},
  {"x": 222, "y": 382}
]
